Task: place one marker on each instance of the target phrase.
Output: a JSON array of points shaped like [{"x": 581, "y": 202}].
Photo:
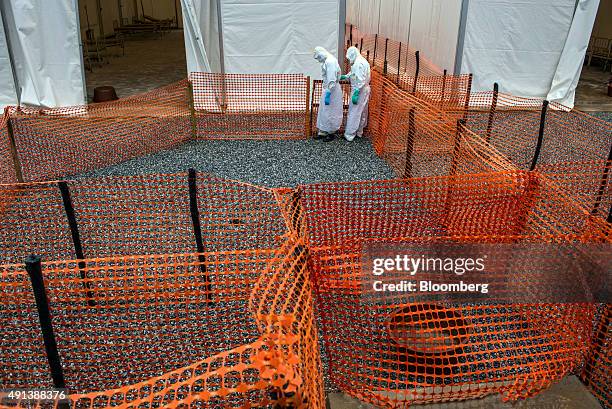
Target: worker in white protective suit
[
  {"x": 360, "y": 94},
  {"x": 329, "y": 119}
]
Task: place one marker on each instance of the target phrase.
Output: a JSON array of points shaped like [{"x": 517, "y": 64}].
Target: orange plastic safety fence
[
  {"x": 597, "y": 374},
  {"x": 251, "y": 106},
  {"x": 419, "y": 139},
  {"x": 250, "y": 312},
  {"x": 7, "y": 164},
  {"x": 54, "y": 143},
  {"x": 516, "y": 349},
  {"x": 575, "y": 148}
]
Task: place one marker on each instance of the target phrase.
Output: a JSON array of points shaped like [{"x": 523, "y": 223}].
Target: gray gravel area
[
  {"x": 606, "y": 116},
  {"x": 279, "y": 163}
]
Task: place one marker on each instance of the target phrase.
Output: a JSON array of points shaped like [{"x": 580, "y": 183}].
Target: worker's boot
[
  {"x": 321, "y": 135},
  {"x": 329, "y": 137}
]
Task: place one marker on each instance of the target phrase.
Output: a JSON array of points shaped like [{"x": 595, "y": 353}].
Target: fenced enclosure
[{"x": 187, "y": 289}]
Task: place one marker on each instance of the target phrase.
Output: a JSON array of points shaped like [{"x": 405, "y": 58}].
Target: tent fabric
[
  {"x": 516, "y": 43},
  {"x": 201, "y": 43},
  {"x": 8, "y": 96},
  {"x": 273, "y": 36},
  {"x": 44, "y": 38},
  {"x": 563, "y": 88},
  {"x": 431, "y": 26}
]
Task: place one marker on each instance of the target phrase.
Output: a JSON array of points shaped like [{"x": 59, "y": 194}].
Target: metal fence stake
[
  {"x": 492, "y": 111},
  {"x": 410, "y": 144}
]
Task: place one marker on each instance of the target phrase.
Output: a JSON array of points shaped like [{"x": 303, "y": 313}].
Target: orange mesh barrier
[
  {"x": 575, "y": 149},
  {"x": 417, "y": 138},
  {"x": 136, "y": 215},
  {"x": 254, "y": 106},
  {"x": 54, "y": 143},
  {"x": 156, "y": 315},
  {"x": 597, "y": 373},
  {"x": 485, "y": 348},
  {"x": 7, "y": 166}
]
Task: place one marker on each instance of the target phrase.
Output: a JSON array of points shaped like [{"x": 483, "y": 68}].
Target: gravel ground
[
  {"x": 266, "y": 163},
  {"x": 606, "y": 116}
]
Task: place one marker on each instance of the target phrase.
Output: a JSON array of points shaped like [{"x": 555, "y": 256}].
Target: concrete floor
[
  {"x": 570, "y": 393},
  {"x": 592, "y": 90},
  {"x": 149, "y": 62}
]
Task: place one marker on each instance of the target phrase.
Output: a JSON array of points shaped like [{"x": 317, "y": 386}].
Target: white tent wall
[
  {"x": 44, "y": 39},
  {"x": 274, "y": 36},
  {"x": 520, "y": 45},
  {"x": 201, "y": 33},
  {"x": 8, "y": 96},
  {"x": 431, "y": 26}
]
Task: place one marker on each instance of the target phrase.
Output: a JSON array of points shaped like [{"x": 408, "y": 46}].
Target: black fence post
[
  {"x": 603, "y": 184},
  {"x": 492, "y": 111},
  {"x": 368, "y": 55},
  {"x": 197, "y": 231},
  {"x": 76, "y": 239},
  {"x": 467, "y": 98},
  {"x": 410, "y": 144},
  {"x": 385, "y": 60},
  {"x": 361, "y": 44},
  {"x": 417, "y": 56},
  {"x": 443, "y": 87},
  {"x": 536, "y": 154},
  {"x": 457, "y": 144},
  {"x": 351, "y": 35},
  {"x": 375, "y": 46},
  {"x": 399, "y": 62},
  {"x": 34, "y": 269}
]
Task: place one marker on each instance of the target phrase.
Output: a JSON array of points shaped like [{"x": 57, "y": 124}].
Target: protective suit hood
[
  {"x": 321, "y": 54},
  {"x": 352, "y": 53}
]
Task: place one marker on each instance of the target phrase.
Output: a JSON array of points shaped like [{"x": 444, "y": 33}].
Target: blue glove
[
  {"x": 355, "y": 98},
  {"x": 327, "y": 97},
  {"x": 343, "y": 77}
]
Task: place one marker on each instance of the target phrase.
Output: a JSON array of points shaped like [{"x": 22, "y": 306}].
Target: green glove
[
  {"x": 355, "y": 98},
  {"x": 343, "y": 77}
]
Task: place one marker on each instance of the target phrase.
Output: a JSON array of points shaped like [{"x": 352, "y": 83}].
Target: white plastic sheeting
[
  {"x": 44, "y": 38},
  {"x": 532, "y": 48},
  {"x": 563, "y": 88},
  {"x": 272, "y": 36},
  {"x": 265, "y": 36},
  {"x": 430, "y": 26}
]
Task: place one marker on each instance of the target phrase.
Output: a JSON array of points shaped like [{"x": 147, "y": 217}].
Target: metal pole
[
  {"x": 221, "y": 56},
  {"x": 538, "y": 148},
  {"x": 410, "y": 144},
  {"x": 603, "y": 184},
  {"x": 492, "y": 111},
  {"x": 417, "y": 56},
  {"x": 457, "y": 144},
  {"x": 461, "y": 36},
  {"x": 197, "y": 231},
  {"x": 361, "y": 44},
  {"x": 13, "y": 148},
  {"x": 76, "y": 240},
  {"x": 34, "y": 269},
  {"x": 4, "y": 17},
  {"x": 307, "y": 127},
  {"x": 351, "y": 35},
  {"x": 368, "y": 55}
]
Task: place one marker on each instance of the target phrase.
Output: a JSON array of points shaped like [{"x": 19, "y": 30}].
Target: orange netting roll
[
  {"x": 597, "y": 373},
  {"x": 251, "y": 106},
  {"x": 129, "y": 329}
]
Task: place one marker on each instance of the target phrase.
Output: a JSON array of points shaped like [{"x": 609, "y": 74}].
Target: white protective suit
[
  {"x": 329, "y": 119},
  {"x": 360, "y": 80}
]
